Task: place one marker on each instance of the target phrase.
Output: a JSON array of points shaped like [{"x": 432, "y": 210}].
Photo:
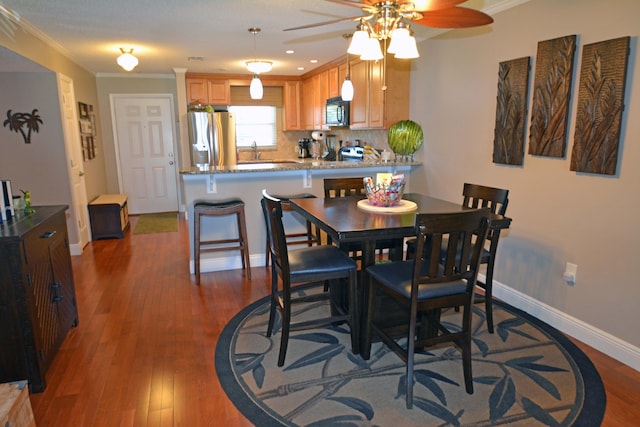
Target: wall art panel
[
  {"x": 600, "y": 105},
  {"x": 551, "y": 94},
  {"x": 511, "y": 111}
]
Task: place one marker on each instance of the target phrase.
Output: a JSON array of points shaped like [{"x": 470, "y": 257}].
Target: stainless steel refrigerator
[{"x": 212, "y": 137}]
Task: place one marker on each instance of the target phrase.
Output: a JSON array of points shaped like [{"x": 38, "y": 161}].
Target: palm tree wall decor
[{"x": 17, "y": 121}]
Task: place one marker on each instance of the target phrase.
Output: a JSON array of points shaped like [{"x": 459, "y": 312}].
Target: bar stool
[
  {"x": 308, "y": 238},
  {"x": 233, "y": 206}
]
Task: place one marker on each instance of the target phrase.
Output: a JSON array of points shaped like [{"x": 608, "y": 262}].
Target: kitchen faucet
[{"x": 256, "y": 153}]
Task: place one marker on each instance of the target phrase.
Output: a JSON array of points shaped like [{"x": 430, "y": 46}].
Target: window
[{"x": 255, "y": 123}]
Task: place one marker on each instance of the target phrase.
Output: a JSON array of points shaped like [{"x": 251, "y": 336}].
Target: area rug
[
  {"x": 525, "y": 374},
  {"x": 157, "y": 223}
]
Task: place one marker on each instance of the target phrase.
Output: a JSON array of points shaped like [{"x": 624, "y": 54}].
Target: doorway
[{"x": 145, "y": 145}]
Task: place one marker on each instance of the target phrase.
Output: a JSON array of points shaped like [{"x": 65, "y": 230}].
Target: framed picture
[
  {"x": 83, "y": 110},
  {"x": 86, "y": 127}
]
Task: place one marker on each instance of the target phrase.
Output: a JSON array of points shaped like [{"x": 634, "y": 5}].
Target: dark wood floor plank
[{"x": 143, "y": 354}]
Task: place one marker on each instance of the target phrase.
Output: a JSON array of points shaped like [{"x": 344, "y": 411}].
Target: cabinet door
[
  {"x": 319, "y": 111},
  {"x": 309, "y": 94},
  {"x": 197, "y": 91},
  {"x": 292, "y": 105},
  {"x": 334, "y": 82},
  {"x": 219, "y": 92},
  {"x": 377, "y": 91},
  {"x": 360, "y": 102}
]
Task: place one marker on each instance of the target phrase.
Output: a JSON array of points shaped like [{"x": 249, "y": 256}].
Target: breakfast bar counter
[{"x": 247, "y": 180}]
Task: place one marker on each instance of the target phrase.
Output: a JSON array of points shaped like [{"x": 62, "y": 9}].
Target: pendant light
[
  {"x": 256, "y": 67},
  {"x": 346, "y": 91}
]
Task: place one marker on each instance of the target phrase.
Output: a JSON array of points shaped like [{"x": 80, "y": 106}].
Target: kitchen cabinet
[
  {"x": 333, "y": 81},
  {"x": 291, "y": 100},
  {"x": 315, "y": 91},
  {"x": 209, "y": 91},
  {"x": 379, "y": 100},
  {"x": 37, "y": 294}
]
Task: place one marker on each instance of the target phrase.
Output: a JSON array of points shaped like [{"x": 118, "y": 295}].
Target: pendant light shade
[
  {"x": 346, "y": 91},
  {"x": 255, "y": 90},
  {"x": 372, "y": 50},
  {"x": 126, "y": 60},
  {"x": 359, "y": 42}
]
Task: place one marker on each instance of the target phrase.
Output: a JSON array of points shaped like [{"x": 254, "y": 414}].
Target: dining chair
[
  {"x": 496, "y": 199},
  {"x": 309, "y": 238},
  {"x": 307, "y": 268},
  {"x": 347, "y": 187},
  {"x": 426, "y": 285}
]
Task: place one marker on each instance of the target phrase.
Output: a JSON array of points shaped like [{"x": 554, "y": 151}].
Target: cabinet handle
[
  {"x": 48, "y": 234},
  {"x": 57, "y": 292}
]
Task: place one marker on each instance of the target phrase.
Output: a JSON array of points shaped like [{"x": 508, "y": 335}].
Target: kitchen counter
[
  {"x": 247, "y": 180},
  {"x": 292, "y": 165}
]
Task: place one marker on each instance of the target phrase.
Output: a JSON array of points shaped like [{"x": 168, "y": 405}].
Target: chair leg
[
  {"x": 354, "y": 311},
  {"x": 196, "y": 247},
  {"x": 284, "y": 336},
  {"x": 274, "y": 302},
  {"x": 465, "y": 346},
  {"x": 267, "y": 254},
  {"x": 244, "y": 248},
  {"x": 411, "y": 342},
  {"x": 488, "y": 297}
]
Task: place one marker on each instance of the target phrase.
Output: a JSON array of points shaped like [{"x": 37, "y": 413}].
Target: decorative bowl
[{"x": 386, "y": 193}]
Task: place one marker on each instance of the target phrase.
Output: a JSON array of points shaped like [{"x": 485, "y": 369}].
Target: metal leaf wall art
[
  {"x": 511, "y": 111},
  {"x": 17, "y": 121},
  {"x": 600, "y": 106},
  {"x": 552, "y": 90}
]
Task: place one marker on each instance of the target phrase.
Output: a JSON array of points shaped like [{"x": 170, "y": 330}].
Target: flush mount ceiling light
[
  {"x": 126, "y": 60},
  {"x": 257, "y": 67}
]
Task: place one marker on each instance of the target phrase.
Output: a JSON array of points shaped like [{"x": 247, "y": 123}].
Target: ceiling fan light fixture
[
  {"x": 372, "y": 51},
  {"x": 399, "y": 36},
  {"x": 126, "y": 60},
  {"x": 359, "y": 42},
  {"x": 408, "y": 49},
  {"x": 255, "y": 89},
  {"x": 257, "y": 67}
]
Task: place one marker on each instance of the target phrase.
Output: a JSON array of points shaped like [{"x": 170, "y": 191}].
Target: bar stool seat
[
  {"x": 308, "y": 238},
  {"x": 222, "y": 207}
]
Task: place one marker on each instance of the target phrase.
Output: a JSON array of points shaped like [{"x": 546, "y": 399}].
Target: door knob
[
  {"x": 171, "y": 162},
  {"x": 81, "y": 173}
]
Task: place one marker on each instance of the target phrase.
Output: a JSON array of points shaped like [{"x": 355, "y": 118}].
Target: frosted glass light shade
[
  {"x": 127, "y": 61},
  {"x": 255, "y": 89},
  {"x": 346, "y": 92},
  {"x": 373, "y": 51},
  {"x": 399, "y": 36},
  {"x": 358, "y": 43},
  {"x": 407, "y": 49},
  {"x": 257, "y": 67}
]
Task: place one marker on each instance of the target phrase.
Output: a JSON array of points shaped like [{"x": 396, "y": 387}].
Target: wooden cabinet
[
  {"x": 291, "y": 101},
  {"x": 208, "y": 91},
  {"x": 315, "y": 90},
  {"x": 334, "y": 82},
  {"x": 37, "y": 294},
  {"x": 379, "y": 100}
]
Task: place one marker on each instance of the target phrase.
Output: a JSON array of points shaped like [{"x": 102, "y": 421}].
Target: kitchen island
[{"x": 247, "y": 180}]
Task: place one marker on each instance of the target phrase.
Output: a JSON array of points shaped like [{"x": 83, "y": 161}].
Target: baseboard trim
[{"x": 603, "y": 341}]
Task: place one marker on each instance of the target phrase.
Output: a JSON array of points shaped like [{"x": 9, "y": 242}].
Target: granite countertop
[{"x": 291, "y": 164}]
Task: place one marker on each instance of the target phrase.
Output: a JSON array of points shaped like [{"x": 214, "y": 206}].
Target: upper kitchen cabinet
[
  {"x": 291, "y": 99},
  {"x": 208, "y": 91},
  {"x": 373, "y": 106},
  {"x": 314, "y": 98}
]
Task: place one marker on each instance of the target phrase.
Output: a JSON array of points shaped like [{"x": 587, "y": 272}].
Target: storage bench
[{"x": 109, "y": 216}]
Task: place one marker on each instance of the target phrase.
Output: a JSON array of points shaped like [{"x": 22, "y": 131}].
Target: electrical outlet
[{"x": 570, "y": 273}]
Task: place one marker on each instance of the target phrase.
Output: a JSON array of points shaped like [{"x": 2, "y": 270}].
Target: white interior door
[
  {"x": 145, "y": 143},
  {"x": 69, "y": 111}
]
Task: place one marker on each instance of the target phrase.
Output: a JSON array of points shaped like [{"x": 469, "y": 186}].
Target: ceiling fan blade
[
  {"x": 431, "y": 5},
  {"x": 319, "y": 24},
  {"x": 454, "y": 17},
  {"x": 354, "y": 3}
]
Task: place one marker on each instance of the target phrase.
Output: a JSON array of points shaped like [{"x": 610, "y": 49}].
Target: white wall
[{"x": 558, "y": 216}]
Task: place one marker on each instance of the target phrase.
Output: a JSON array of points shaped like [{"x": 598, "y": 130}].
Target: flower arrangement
[{"x": 386, "y": 193}]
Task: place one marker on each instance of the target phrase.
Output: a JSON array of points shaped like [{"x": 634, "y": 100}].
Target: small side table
[{"x": 109, "y": 216}]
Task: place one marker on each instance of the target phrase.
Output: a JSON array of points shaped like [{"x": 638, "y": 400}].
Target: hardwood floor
[{"x": 143, "y": 353}]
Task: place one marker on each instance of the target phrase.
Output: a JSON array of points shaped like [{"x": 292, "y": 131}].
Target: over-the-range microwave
[{"x": 337, "y": 112}]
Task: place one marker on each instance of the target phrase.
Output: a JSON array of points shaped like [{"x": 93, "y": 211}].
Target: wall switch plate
[{"x": 570, "y": 272}]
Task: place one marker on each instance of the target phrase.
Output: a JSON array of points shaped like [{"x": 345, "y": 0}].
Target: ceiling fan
[{"x": 384, "y": 16}]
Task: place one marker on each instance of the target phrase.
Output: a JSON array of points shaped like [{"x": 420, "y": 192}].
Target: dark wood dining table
[{"x": 344, "y": 221}]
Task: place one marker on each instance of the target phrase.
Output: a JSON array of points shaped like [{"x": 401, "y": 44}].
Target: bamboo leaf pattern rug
[{"x": 525, "y": 374}]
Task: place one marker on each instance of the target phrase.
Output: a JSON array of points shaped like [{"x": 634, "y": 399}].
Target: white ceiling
[{"x": 165, "y": 33}]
